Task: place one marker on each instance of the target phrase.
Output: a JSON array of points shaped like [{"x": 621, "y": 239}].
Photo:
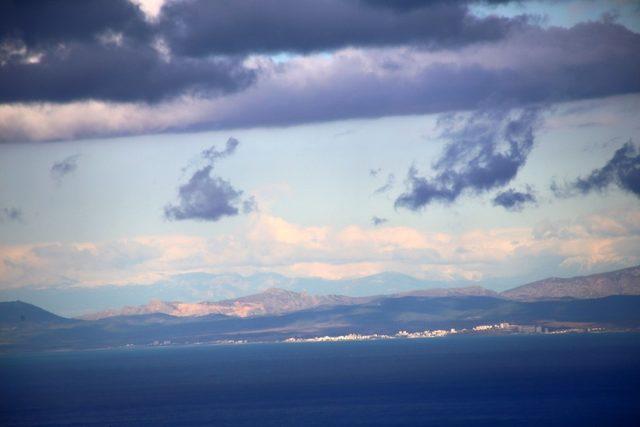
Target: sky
[{"x": 454, "y": 141}]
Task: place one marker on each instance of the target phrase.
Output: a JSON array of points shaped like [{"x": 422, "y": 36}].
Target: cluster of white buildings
[
  {"x": 426, "y": 334},
  {"x": 360, "y": 337},
  {"x": 348, "y": 337},
  {"x": 499, "y": 327},
  {"x": 524, "y": 329}
]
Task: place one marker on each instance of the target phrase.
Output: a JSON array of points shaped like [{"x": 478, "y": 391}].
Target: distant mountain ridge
[
  {"x": 619, "y": 282},
  {"x": 271, "y": 301},
  {"x": 275, "y": 301},
  {"x": 608, "y": 300},
  {"x": 197, "y": 287},
  {"x": 477, "y": 291},
  {"x": 199, "y": 294}
]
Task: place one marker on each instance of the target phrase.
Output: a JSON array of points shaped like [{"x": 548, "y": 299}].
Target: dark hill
[
  {"x": 619, "y": 282},
  {"x": 14, "y": 313}
]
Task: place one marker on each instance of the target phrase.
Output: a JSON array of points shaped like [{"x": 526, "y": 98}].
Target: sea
[{"x": 541, "y": 380}]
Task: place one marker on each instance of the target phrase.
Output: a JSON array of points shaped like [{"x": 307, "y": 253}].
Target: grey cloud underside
[
  {"x": 206, "y": 197},
  {"x": 514, "y": 200},
  {"x": 622, "y": 171},
  {"x": 202, "y": 27},
  {"x": 576, "y": 63},
  {"x": 486, "y": 151}
]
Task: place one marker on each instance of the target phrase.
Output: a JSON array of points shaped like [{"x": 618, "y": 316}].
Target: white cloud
[{"x": 269, "y": 243}]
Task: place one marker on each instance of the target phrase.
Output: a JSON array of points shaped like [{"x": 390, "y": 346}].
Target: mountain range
[
  {"x": 273, "y": 301},
  {"x": 27, "y": 331},
  {"x": 278, "y": 301},
  {"x": 194, "y": 288},
  {"x": 74, "y": 300},
  {"x": 610, "y": 300},
  {"x": 619, "y": 282}
]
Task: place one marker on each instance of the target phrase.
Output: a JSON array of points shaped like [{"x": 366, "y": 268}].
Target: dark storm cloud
[
  {"x": 486, "y": 151},
  {"x": 590, "y": 60},
  {"x": 62, "y": 51},
  {"x": 513, "y": 200},
  {"x": 206, "y": 197},
  {"x": 376, "y": 221},
  {"x": 10, "y": 214},
  {"x": 202, "y": 27},
  {"x": 113, "y": 54},
  {"x": 622, "y": 170},
  {"x": 46, "y": 22},
  {"x": 408, "y": 5},
  {"x": 64, "y": 167},
  {"x": 130, "y": 71}
]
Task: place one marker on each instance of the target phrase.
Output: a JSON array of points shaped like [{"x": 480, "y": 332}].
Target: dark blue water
[{"x": 516, "y": 380}]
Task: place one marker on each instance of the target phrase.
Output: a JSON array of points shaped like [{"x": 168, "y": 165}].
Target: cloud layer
[
  {"x": 200, "y": 27},
  {"x": 589, "y": 243},
  {"x": 210, "y": 65}
]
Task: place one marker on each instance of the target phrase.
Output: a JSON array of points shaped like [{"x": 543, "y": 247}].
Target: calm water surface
[{"x": 515, "y": 380}]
